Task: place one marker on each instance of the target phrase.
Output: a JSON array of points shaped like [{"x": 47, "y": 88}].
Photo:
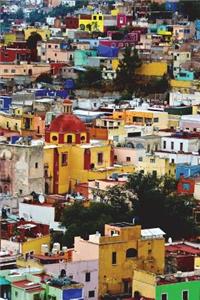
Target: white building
[
  {"x": 180, "y": 142},
  {"x": 177, "y": 98}
]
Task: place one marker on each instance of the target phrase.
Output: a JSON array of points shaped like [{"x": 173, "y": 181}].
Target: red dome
[{"x": 67, "y": 123}]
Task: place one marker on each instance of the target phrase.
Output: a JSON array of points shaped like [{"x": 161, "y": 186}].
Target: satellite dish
[{"x": 41, "y": 198}]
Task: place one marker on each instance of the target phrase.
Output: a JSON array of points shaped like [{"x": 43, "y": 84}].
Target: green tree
[
  {"x": 20, "y": 14},
  {"x": 90, "y": 78},
  {"x": 125, "y": 79},
  {"x": 157, "y": 85},
  {"x": 158, "y": 205},
  {"x": 33, "y": 39},
  {"x": 150, "y": 200},
  {"x": 190, "y": 8},
  {"x": 37, "y": 16}
]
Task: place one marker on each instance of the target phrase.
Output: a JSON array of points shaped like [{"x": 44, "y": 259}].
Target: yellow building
[
  {"x": 180, "y": 85},
  {"x": 124, "y": 248},
  {"x": 152, "y": 69},
  {"x": 114, "y": 12},
  {"x": 34, "y": 245},
  {"x": 94, "y": 22},
  {"x": 145, "y": 283},
  {"x": 17, "y": 121},
  {"x": 157, "y": 119},
  {"x": 156, "y": 165},
  {"x": 9, "y": 38},
  {"x": 71, "y": 158},
  {"x": 11, "y": 122},
  {"x": 115, "y": 64},
  {"x": 174, "y": 121},
  {"x": 43, "y": 32}
]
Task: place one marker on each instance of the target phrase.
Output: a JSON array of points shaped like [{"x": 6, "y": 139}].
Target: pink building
[
  {"x": 83, "y": 271},
  {"x": 52, "y": 51},
  {"x": 32, "y": 70},
  {"x": 130, "y": 156}
]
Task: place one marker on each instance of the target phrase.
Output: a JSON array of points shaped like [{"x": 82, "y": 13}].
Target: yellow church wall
[
  {"x": 111, "y": 276},
  {"x": 49, "y": 164},
  {"x": 44, "y": 32}
]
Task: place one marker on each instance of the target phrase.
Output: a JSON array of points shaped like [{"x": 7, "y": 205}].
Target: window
[
  {"x": 164, "y": 144},
  {"x": 13, "y": 71},
  {"x": 164, "y": 297},
  {"x": 36, "y": 297},
  {"x": 49, "y": 46},
  {"x": 128, "y": 158},
  {"x": 100, "y": 158},
  {"x": 16, "y": 294},
  {"x": 154, "y": 173},
  {"x": 64, "y": 159},
  {"x": 114, "y": 258},
  {"x": 152, "y": 160},
  {"x": 172, "y": 160},
  {"x": 54, "y": 138},
  {"x": 36, "y": 165},
  {"x": 87, "y": 276},
  {"x": 69, "y": 139},
  {"x": 91, "y": 294},
  {"x": 156, "y": 120},
  {"x": 181, "y": 146},
  {"x": 140, "y": 158},
  {"x": 100, "y": 18},
  {"x": 185, "y": 295},
  {"x": 172, "y": 145},
  {"x": 131, "y": 252},
  {"x": 5, "y": 70}
]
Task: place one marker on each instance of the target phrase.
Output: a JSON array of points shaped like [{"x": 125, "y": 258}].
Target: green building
[{"x": 187, "y": 290}]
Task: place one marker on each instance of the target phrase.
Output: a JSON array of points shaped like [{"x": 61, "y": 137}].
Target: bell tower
[{"x": 67, "y": 106}]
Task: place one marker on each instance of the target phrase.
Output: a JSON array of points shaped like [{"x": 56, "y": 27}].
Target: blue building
[
  {"x": 187, "y": 170},
  {"x": 172, "y": 5},
  {"x": 5, "y": 102},
  {"x": 185, "y": 75}
]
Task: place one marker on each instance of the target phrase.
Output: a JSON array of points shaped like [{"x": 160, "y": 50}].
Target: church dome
[{"x": 67, "y": 123}]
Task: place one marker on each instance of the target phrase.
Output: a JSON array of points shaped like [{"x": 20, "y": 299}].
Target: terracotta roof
[
  {"x": 183, "y": 248},
  {"x": 67, "y": 123}
]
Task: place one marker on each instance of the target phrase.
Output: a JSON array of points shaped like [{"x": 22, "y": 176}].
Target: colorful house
[
  {"x": 123, "y": 248},
  {"x": 152, "y": 69},
  {"x": 143, "y": 117},
  {"x": 156, "y": 165},
  {"x": 179, "y": 286},
  {"x": 43, "y": 32},
  {"x": 93, "y": 22},
  {"x": 70, "y": 157},
  {"x": 81, "y": 57},
  {"x": 185, "y": 75}
]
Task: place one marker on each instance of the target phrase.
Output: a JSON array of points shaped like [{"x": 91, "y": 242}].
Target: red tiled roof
[
  {"x": 33, "y": 290},
  {"x": 25, "y": 284},
  {"x": 183, "y": 248}
]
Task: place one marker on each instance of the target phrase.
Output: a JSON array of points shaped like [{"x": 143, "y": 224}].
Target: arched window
[
  {"x": 131, "y": 252},
  {"x": 54, "y": 138},
  {"x": 69, "y": 139}
]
